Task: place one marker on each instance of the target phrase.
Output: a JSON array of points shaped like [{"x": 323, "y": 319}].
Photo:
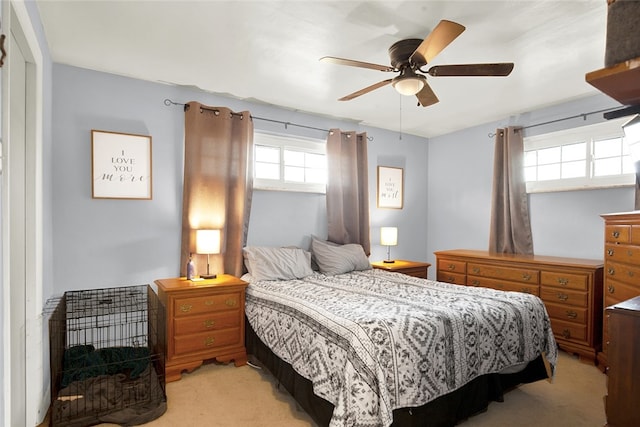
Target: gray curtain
[
  {"x": 348, "y": 188},
  {"x": 510, "y": 230},
  {"x": 218, "y": 184}
]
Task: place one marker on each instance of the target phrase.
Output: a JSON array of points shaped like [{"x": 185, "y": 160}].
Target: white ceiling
[{"x": 268, "y": 51}]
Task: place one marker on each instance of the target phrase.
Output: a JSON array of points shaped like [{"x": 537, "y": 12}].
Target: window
[
  {"x": 593, "y": 156},
  {"x": 289, "y": 164}
]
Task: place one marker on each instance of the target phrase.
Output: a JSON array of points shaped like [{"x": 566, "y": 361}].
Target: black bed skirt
[{"x": 445, "y": 411}]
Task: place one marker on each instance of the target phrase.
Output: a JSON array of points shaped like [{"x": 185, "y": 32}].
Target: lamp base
[
  {"x": 208, "y": 276},
  {"x": 389, "y": 261}
]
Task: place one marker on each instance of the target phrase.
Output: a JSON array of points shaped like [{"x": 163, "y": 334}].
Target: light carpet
[{"x": 225, "y": 396}]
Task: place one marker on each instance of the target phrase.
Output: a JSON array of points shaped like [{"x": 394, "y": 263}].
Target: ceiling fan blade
[
  {"x": 426, "y": 96},
  {"x": 501, "y": 69},
  {"x": 365, "y": 90},
  {"x": 352, "y": 63},
  {"x": 443, "y": 34}
]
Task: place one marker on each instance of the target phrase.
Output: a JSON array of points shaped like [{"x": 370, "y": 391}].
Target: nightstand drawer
[
  {"x": 206, "y": 304},
  {"x": 206, "y": 322},
  {"x": 206, "y": 341}
]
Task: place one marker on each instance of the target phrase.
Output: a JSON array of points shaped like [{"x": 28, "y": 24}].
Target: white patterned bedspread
[{"x": 374, "y": 341}]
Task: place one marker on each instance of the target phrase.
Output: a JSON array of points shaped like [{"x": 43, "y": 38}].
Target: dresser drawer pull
[
  {"x": 209, "y": 341},
  {"x": 526, "y": 277},
  {"x": 563, "y": 281},
  {"x": 209, "y": 302},
  {"x": 630, "y": 253},
  {"x": 610, "y": 252},
  {"x": 231, "y": 302},
  {"x": 572, "y": 314},
  {"x": 630, "y": 273},
  {"x": 563, "y": 297},
  {"x": 185, "y": 308},
  {"x": 452, "y": 267},
  {"x": 611, "y": 271},
  {"x": 476, "y": 270},
  {"x": 611, "y": 289},
  {"x": 566, "y": 333},
  {"x": 450, "y": 279},
  {"x": 209, "y": 323},
  {"x": 475, "y": 282},
  {"x": 616, "y": 234},
  {"x": 525, "y": 290}
]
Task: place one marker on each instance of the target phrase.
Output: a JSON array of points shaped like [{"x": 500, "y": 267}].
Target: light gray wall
[
  {"x": 459, "y": 192},
  {"x": 104, "y": 243}
]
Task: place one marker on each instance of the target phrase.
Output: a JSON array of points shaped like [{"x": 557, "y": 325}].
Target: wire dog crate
[{"x": 106, "y": 355}]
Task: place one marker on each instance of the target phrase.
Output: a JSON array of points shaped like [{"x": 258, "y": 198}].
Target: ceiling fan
[{"x": 410, "y": 55}]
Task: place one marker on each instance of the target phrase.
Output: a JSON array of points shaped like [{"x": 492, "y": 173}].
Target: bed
[{"x": 362, "y": 347}]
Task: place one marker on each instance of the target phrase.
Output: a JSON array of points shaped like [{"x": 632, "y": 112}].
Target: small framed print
[
  {"x": 390, "y": 187},
  {"x": 120, "y": 165}
]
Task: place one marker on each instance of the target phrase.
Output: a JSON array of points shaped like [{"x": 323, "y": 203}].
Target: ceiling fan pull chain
[{"x": 400, "y": 98}]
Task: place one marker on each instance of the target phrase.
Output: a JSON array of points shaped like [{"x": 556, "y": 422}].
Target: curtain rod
[
  {"x": 583, "y": 115},
  {"x": 169, "y": 102}
]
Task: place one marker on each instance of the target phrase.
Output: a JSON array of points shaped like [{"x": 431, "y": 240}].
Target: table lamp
[
  {"x": 388, "y": 238},
  {"x": 208, "y": 242}
]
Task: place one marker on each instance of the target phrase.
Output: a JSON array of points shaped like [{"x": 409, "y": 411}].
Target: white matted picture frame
[
  {"x": 390, "y": 187},
  {"x": 120, "y": 165}
]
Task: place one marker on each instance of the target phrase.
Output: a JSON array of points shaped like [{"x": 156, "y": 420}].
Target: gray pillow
[
  {"x": 265, "y": 263},
  {"x": 335, "y": 259}
]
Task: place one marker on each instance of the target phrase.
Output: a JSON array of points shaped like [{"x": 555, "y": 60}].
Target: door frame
[{"x": 17, "y": 23}]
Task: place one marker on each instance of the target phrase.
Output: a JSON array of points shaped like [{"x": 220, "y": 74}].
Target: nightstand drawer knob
[
  {"x": 231, "y": 302},
  {"x": 209, "y": 341},
  {"x": 209, "y": 323},
  {"x": 185, "y": 308}
]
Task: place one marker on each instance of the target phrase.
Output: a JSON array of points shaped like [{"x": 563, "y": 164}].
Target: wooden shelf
[{"x": 621, "y": 81}]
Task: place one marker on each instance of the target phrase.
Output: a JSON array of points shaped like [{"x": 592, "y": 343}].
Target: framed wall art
[
  {"x": 390, "y": 187},
  {"x": 120, "y": 166}
]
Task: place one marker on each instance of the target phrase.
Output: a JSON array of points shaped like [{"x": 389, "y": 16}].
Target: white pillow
[
  {"x": 335, "y": 259},
  {"x": 265, "y": 263}
]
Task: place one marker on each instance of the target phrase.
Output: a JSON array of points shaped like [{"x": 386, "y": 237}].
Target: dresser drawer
[
  {"x": 452, "y": 266},
  {"x": 617, "y": 233},
  {"x": 622, "y": 272},
  {"x": 635, "y": 234},
  {"x": 563, "y": 296},
  {"x": 206, "y": 322},
  {"x": 569, "y": 314},
  {"x": 569, "y": 331},
  {"x": 615, "y": 292},
  {"x": 622, "y": 253},
  {"x": 506, "y": 273},
  {"x": 503, "y": 285},
  {"x": 578, "y": 282},
  {"x": 206, "y": 341},
  {"x": 449, "y": 277},
  {"x": 206, "y": 304}
]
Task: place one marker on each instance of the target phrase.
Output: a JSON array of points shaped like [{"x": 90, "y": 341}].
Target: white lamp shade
[
  {"x": 208, "y": 241},
  {"x": 388, "y": 236}
]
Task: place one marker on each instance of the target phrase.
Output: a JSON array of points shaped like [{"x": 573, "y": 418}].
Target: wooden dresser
[
  {"x": 205, "y": 320},
  {"x": 623, "y": 382},
  {"x": 411, "y": 268},
  {"x": 622, "y": 265},
  {"x": 571, "y": 289}
]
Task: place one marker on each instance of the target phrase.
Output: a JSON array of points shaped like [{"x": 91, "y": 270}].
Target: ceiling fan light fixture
[{"x": 408, "y": 85}]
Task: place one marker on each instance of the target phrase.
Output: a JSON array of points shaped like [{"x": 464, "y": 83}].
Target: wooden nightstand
[
  {"x": 205, "y": 320},
  {"x": 411, "y": 268}
]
